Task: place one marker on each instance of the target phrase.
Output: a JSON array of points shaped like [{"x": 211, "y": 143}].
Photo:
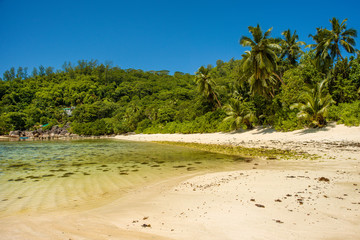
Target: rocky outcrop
[{"x": 54, "y": 132}]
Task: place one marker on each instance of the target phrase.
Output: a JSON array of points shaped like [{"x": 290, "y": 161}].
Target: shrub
[{"x": 346, "y": 113}]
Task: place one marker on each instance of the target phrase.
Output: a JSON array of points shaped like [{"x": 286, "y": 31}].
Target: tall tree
[
  {"x": 259, "y": 65},
  {"x": 206, "y": 84},
  {"x": 9, "y": 74},
  {"x": 290, "y": 46},
  {"x": 328, "y": 42}
]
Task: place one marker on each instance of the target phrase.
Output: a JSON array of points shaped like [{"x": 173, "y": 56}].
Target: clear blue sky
[{"x": 151, "y": 35}]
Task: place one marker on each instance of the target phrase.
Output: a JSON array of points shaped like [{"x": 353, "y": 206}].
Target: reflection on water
[{"x": 51, "y": 174}]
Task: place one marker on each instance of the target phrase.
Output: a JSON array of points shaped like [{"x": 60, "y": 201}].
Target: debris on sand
[{"x": 323, "y": 179}]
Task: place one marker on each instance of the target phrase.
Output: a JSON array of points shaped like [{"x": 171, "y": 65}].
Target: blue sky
[{"x": 151, "y": 35}]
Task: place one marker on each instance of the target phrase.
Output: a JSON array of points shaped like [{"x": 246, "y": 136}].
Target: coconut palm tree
[
  {"x": 328, "y": 42},
  {"x": 259, "y": 65},
  {"x": 206, "y": 84},
  {"x": 239, "y": 112},
  {"x": 290, "y": 46},
  {"x": 314, "y": 105}
]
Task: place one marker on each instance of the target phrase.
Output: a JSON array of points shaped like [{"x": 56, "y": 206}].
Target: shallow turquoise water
[{"x": 37, "y": 175}]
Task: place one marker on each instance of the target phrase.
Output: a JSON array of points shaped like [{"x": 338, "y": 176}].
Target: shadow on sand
[
  {"x": 256, "y": 130},
  {"x": 316, "y": 130},
  {"x": 269, "y": 130}
]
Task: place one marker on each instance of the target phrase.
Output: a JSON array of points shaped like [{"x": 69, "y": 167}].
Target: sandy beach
[{"x": 265, "y": 199}]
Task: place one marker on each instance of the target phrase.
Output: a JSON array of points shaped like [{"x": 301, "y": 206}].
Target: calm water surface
[{"x": 43, "y": 175}]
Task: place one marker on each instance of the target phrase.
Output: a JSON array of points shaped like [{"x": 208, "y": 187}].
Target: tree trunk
[{"x": 280, "y": 79}]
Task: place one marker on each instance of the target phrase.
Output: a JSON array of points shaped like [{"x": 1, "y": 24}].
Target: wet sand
[{"x": 265, "y": 199}]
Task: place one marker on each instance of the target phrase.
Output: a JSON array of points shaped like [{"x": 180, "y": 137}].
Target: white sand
[{"x": 296, "y": 205}]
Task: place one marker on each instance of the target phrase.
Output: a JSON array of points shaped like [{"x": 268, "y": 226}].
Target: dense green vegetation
[{"x": 275, "y": 83}]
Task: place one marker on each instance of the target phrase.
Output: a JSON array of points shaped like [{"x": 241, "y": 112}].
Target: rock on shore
[{"x": 54, "y": 132}]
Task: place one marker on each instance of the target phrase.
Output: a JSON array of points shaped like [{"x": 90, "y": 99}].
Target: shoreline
[
  {"x": 265, "y": 199},
  {"x": 330, "y": 143}
]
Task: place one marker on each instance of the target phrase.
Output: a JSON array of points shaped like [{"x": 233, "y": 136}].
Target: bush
[
  {"x": 143, "y": 125},
  {"x": 210, "y": 122},
  {"x": 346, "y": 113},
  {"x": 286, "y": 120},
  {"x": 14, "y": 121},
  {"x": 96, "y": 128}
]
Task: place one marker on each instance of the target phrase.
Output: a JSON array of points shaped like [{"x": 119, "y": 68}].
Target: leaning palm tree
[
  {"x": 259, "y": 65},
  {"x": 239, "y": 113},
  {"x": 290, "y": 46},
  {"x": 314, "y": 105},
  {"x": 206, "y": 84},
  {"x": 328, "y": 42}
]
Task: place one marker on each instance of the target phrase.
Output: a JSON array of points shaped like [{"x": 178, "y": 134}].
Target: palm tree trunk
[
  {"x": 338, "y": 50},
  {"x": 217, "y": 100},
  {"x": 280, "y": 79},
  {"x": 272, "y": 95}
]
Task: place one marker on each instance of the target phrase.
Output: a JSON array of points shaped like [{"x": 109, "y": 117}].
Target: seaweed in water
[
  {"x": 57, "y": 170},
  {"x": 160, "y": 162},
  {"x": 19, "y": 165},
  {"x": 33, "y": 177},
  {"x": 19, "y": 179},
  {"x": 68, "y": 174},
  {"x": 48, "y": 175},
  {"x": 77, "y": 164},
  {"x": 179, "y": 166}
]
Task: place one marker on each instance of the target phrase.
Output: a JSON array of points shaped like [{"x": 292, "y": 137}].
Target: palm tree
[
  {"x": 206, "y": 84},
  {"x": 291, "y": 46},
  {"x": 259, "y": 64},
  {"x": 328, "y": 42},
  {"x": 314, "y": 105},
  {"x": 239, "y": 113}
]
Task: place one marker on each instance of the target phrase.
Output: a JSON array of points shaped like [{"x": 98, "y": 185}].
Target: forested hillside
[{"x": 275, "y": 83}]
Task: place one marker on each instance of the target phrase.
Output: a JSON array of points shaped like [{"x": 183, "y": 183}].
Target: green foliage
[
  {"x": 210, "y": 122},
  {"x": 287, "y": 120},
  {"x": 240, "y": 113},
  {"x": 290, "y": 47},
  {"x": 329, "y": 42},
  {"x": 50, "y": 123},
  {"x": 206, "y": 84},
  {"x": 341, "y": 85},
  {"x": 96, "y": 128},
  {"x": 346, "y": 113},
  {"x": 314, "y": 105},
  {"x": 259, "y": 65},
  {"x": 284, "y": 118},
  {"x": 354, "y": 74},
  {"x": 13, "y": 121}
]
